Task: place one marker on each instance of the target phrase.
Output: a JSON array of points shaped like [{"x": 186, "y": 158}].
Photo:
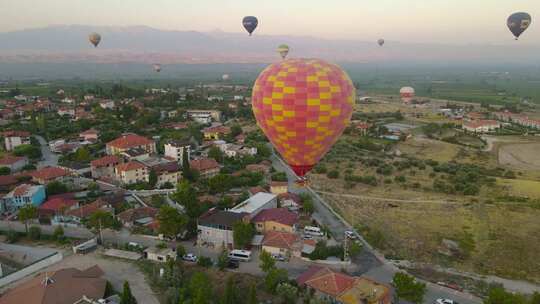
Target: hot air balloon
[
  {"x": 303, "y": 106},
  {"x": 225, "y": 77},
  {"x": 283, "y": 50},
  {"x": 518, "y": 23},
  {"x": 380, "y": 42},
  {"x": 250, "y": 23},
  {"x": 407, "y": 94},
  {"x": 157, "y": 67},
  {"x": 94, "y": 38}
]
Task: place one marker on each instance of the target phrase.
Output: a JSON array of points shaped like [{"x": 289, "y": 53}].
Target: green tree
[
  {"x": 102, "y": 219},
  {"x": 243, "y": 234},
  {"x": 171, "y": 221},
  {"x": 223, "y": 258},
  {"x": 109, "y": 289},
  {"x": 152, "y": 178},
  {"x": 236, "y": 130},
  {"x": 230, "y": 295},
  {"x": 219, "y": 183},
  {"x": 216, "y": 154},
  {"x": 279, "y": 177},
  {"x": 407, "y": 288},
  {"x": 126, "y": 297},
  {"x": 274, "y": 277},
  {"x": 12, "y": 236},
  {"x": 287, "y": 293},
  {"x": 307, "y": 204},
  {"x": 34, "y": 233},
  {"x": 535, "y": 298},
  {"x": 5, "y": 171},
  {"x": 180, "y": 251},
  {"x": 186, "y": 169},
  {"x": 200, "y": 288},
  {"x": 263, "y": 150},
  {"x": 27, "y": 213},
  {"x": 267, "y": 261},
  {"x": 55, "y": 187},
  {"x": 355, "y": 249},
  {"x": 82, "y": 155},
  {"x": 252, "y": 295},
  {"x": 29, "y": 151},
  {"x": 58, "y": 233},
  {"x": 497, "y": 295}
]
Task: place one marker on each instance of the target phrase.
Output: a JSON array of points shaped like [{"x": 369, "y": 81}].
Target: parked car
[
  {"x": 350, "y": 234},
  {"x": 307, "y": 237},
  {"x": 233, "y": 264},
  {"x": 445, "y": 301},
  {"x": 279, "y": 257},
  {"x": 190, "y": 257}
]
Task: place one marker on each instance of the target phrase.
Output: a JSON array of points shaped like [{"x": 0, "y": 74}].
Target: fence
[{"x": 34, "y": 267}]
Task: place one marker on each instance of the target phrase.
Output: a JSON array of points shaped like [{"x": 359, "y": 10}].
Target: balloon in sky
[
  {"x": 157, "y": 67},
  {"x": 94, "y": 38},
  {"x": 518, "y": 23},
  {"x": 407, "y": 94},
  {"x": 380, "y": 42},
  {"x": 283, "y": 50},
  {"x": 303, "y": 106},
  {"x": 250, "y": 23},
  {"x": 225, "y": 77}
]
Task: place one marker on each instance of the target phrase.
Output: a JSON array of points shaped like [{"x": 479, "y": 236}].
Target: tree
[
  {"x": 171, "y": 221},
  {"x": 267, "y": 261},
  {"x": 102, "y": 219},
  {"x": 82, "y": 155},
  {"x": 252, "y": 295},
  {"x": 200, "y": 288},
  {"x": 497, "y": 295},
  {"x": 5, "y": 171},
  {"x": 243, "y": 234},
  {"x": 34, "y": 233},
  {"x": 274, "y": 277},
  {"x": 535, "y": 298},
  {"x": 216, "y": 154},
  {"x": 279, "y": 177},
  {"x": 29, "y": 151},
  {"x": 307, "y": 204},
  {"x": 27, "y": 213},
  {"x": 55, "y": 187},
  {"x": 219, "y": 183},
  {"x": 126, "y": 297},
  {"x": 236, "y": 130},
  {"x": 152, "y": 178},
  {"x": 186, "y": 169},
  {"x": 223, "y": 258},
  {"x": 109, "y": 289},
  {"x": 287, "y": 292},
  {"x": 180, "y": 251},
  {"x": 354, "y": 249},
  {"x": 230, "y": 295},
  {"x": 186, "y": 196},
  {"x": 408, "y": 289},
  {"x": 58, "y": 233}
]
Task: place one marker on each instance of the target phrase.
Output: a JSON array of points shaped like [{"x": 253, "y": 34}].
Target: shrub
[
  {"x": 204, "y": 262},
  {"x": 58, "y": 233},
  {"x": 333, "y": 174},
  {"x": 12, "y": 237},
  {"x": 34, "y": 233}
]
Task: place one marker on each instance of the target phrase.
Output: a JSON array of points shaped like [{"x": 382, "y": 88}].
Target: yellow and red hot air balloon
[
  {"x": 407, "y": 94},
  {"x": 303, "y": 106}
]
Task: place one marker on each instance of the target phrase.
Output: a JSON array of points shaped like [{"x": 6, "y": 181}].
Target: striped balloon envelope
[{"x": 303, "y": 106}]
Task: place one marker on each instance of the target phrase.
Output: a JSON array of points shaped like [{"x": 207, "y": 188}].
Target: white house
[
  {"x": 159, "y": 254},
  {"x": 215, "y": 227},
  {"x": 255, "y": 204},
  {"x": 175, "y": 149}
]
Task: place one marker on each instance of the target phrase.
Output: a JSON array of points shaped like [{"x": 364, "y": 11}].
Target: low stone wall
[{"x": 32, "y": 268}]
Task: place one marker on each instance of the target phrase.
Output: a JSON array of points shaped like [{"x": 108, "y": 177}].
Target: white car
[
  {"x": 279, "y": 257},
  {"x": 350, "y": 234},
  {"x": 190, "y": 257},
  {"x": 445, "y": 301}
]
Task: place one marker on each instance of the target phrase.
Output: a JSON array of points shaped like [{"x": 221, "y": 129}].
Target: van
[
  {"x": 315, "y": 231},
  {"x": 240, "y": 255}
]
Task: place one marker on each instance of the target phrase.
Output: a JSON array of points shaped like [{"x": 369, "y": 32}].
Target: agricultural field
[{"x": 523, "y": 156}]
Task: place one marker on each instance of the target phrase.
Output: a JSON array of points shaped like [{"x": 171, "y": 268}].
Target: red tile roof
[
  {"x": 56, "y": 204},
  {"x": 217, "y": 129},
  {"x": 10, "y": 160},
  {"x": 255, "y": 190},
  {"x": 292, "y": 196},
  {"x": 129, "y": 166},
  {"x": 16, "y": 134},
  {"x": 106, "y": 160},
  {"x": 278, "y": 184},
  {"x": 21, "y": 190},
  {"x": 129, "y": 141},
  {"x": 49, "y": 173},
  {"x": 134, "y": 214},
  {"x": 204, "y": 164},
  {"x": 166, "y": 167},
  {"x": 279, "y": 239},
  {"x": 88, "y": 209},
  {"x": 6, "y": 180},
  {"x": 326, "y": 280},
  {"x": 89, "y": 132},
  {"x": 279, "y": 215}
]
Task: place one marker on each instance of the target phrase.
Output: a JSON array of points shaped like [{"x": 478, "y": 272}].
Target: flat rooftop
[{"x": 253, "y": 203}]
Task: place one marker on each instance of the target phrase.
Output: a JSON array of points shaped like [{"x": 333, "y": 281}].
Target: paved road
[
  {"x": 49, "y": 159},
  {"x": 370, "y": 263}
]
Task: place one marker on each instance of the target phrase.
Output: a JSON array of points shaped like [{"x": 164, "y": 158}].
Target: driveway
[{"x": 49, "y": 159}]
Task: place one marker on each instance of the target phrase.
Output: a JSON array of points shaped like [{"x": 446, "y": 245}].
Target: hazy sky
[{"x": 453, "y": 21}]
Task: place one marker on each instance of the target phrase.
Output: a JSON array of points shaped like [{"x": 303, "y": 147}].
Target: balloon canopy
[
  {"x": 225, "y": 77},
  {"x": 94, "y": 38},
  {"x": 406, "y": 93},
  {"x": 303, "y": 106},
  {"x": 250, "y": 23},
  {"x": 380, "y": 42},
  {"x": 518, "y": 23},
  {"x": 283, "y": 50},
  {"x": 157, "y": 67}
]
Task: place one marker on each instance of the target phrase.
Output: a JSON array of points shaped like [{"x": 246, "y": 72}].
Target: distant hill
[{"x": 141, "y": 44}]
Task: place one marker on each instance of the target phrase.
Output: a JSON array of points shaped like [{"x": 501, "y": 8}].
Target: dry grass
[{"x": 424, "y": 148}]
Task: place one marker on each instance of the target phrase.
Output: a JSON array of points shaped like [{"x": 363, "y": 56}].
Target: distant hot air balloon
[
  {"x": 303, "y": 106},
  {"x": 157, "y": 67},
  {"x": 225, "y": 77},
  {"x": 94, "y": 38},
  {"x": 250, "y": 23},
  {"x": 380, "y": 42},
  {"x": 283, "y": 50},
  {"x": 407, "y": 94},
  {"x": 518, "y": 23}
]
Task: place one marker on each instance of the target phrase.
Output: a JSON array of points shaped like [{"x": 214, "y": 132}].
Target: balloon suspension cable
[{"x": 302, "y": 182}]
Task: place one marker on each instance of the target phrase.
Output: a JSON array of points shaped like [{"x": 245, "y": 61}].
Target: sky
[{"x": 424, "y": 21}]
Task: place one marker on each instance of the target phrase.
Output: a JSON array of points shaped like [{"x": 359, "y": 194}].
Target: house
[
  {"x": 282, "y": 243},
  {"x": 64, "y": 286},
  {"x": 174, "y": 149},
  {"x": 56, "y": 206},
  {"x": 338, "y": 287},
  {"x": 13, "y": 139},
  {"x": 362, "y": 128},
  {"x": 107, "y": 104},
  {"x": 64, "y": 111},
  {"x": 481, "y": 126},
  {"x": 276, "y": 219},
  {"x": 129, "y": 141},
  {"x": 176, "y": 125},
  {"x": 23, "y": 195},
  {"x": 204, "y": 116},
  {"x": 207, "y": 167},
  {"x": 104, "y": 167},
  {"x": 138, "y": 153},
  {"x": 216, "y": 227},
  {"x": 290, "y": 201},
  {"x": 255, "y": 204},
  {"x": 131, "y": 173},
  {"x": 254, "y": 190},
  {"x": 159, "y": 254},
  {"x": 261, "y": 168},
  {"x": 214, "y": 133},
  {"x": 14, "y": 163},
  {"x": 141, "y": 216},
  {"x": 167, "y": 173},
  {"x": 279, "y": 187},
  {"x": 49, "y": 174},
  {"x": 8, "y": 182},
  {"x": 89, "y": 135},
  {"x": 86, "y": 210}
]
